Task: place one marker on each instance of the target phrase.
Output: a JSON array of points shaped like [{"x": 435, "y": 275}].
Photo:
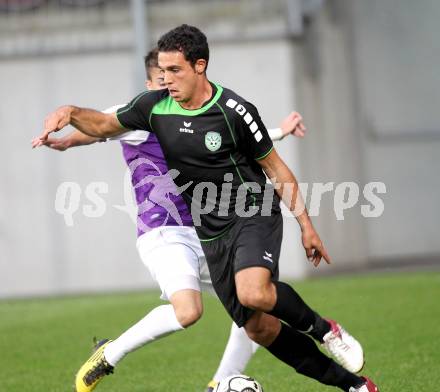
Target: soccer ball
[{"x": 238, "y": 383}]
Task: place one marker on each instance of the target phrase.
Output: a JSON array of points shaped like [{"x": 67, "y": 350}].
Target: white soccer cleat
[
  {"x": 368, "y": 386},
  {"x": 344, "y": 348}
]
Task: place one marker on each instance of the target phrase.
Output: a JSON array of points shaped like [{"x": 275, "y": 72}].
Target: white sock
[
  {"x": 238, "y": 352},
  {"x": 161, "y": 321}
]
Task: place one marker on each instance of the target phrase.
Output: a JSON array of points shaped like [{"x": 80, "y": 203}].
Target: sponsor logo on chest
[
  {"x": 186, "y": 128},
  {"x": 213, "y": 140}
]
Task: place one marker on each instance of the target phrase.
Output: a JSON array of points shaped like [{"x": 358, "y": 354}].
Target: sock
[
  {"x": 320, "y": 328},
  {"x": 238, "y": 352},
  {"x": 300, "y": 352},
  {"x": 161, "y": 321},
  {"x": 291, "y": 309}
]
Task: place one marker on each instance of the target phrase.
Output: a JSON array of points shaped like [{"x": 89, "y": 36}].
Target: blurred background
[{"x": 364, "y": 74}]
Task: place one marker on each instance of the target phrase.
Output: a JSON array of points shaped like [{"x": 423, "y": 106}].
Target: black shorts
[{"x": 251, "y": 242}]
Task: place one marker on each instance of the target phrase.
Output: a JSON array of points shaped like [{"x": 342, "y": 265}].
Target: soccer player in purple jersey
[{"x": 167, "y": 242}]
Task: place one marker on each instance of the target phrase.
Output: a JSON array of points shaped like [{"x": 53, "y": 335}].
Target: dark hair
[
  {"x": 151, "y": 61},
  {"x": 186, "y": 39}
]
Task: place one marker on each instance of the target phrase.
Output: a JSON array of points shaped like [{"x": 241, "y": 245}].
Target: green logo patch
[{"x": 213, "y": 141}]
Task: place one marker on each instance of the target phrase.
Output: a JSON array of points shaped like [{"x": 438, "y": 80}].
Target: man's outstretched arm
[
  {"x": 287, "y": 189},
  {"x": 73, "y": 139},
  {"x": 88, "y": 121}
]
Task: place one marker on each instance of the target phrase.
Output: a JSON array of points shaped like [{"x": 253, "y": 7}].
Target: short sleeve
[
  {"x": 136, "y": 114},
  {"x": 131, "y": 137},
  {"x": 255, "y": 141},
  {"x": 113, "y": 109}
]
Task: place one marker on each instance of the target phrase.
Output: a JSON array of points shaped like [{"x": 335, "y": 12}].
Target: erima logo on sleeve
[
  {"x": 247, "y": 117},
  {"x": 268, "y": 256}
]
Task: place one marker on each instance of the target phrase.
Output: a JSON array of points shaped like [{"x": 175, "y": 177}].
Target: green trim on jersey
[
  {"x": 132, "y": 104},
  {"x": 170, "y": 106},
  {"x": 264, "y": 155},
  {"x": 151, "y": 113},
  {"x": 117, "y": 119},
  {"x": 227, "y": 122},
  {"x": 241, "y": 178}
]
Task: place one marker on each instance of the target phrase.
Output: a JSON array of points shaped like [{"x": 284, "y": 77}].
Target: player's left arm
[
  {"x": 291, "y": 124},
  {"x": 256, "y": 144},
  {"x": 287, "y": 188}
]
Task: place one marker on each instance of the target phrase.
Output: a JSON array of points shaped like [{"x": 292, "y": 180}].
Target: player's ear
[
  {"x": 200, "y": 66},
  {"x": 148, "y": 84}
]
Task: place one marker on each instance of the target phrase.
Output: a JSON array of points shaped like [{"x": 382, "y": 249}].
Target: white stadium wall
[
  {"x": 369, "y": 93},
  {"x": 328, "y": 73},
  {"x": 398, "y": 100},
  {"x": 43, "y": 254}
]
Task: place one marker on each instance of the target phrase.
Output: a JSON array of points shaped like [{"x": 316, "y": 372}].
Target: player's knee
[
  {"x": 258, "y": 336},
  {"x": 263, "y": 333},
  {"x": 188, "y": 315},
  {"x": 251, "y": 298},
  {"x": 259, "y": 299},
  {"x": 188, "y": 306}
]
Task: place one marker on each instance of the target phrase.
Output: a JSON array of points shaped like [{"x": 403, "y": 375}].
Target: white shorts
[{"x": 175, "y": 259}]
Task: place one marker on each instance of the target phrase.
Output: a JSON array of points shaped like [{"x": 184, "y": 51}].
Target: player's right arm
[
  {"x": 88, "y": 121},
  {"x": 77, "y": 138},
  {"x": 94, "y": 123},
  {"x": 102, "y": 125}
]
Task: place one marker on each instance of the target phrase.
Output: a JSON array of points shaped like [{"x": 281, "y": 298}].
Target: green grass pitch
[{"x": 396, "y": 317}]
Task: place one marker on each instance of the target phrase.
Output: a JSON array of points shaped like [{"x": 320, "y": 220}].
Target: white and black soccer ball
[{"x": 238, "y": 383}]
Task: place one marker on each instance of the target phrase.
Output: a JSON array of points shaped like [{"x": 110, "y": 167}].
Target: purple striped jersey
[{"x": 158, "y": 199}]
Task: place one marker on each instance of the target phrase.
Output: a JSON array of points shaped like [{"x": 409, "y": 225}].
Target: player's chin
[{"x": 175, "y": 94}]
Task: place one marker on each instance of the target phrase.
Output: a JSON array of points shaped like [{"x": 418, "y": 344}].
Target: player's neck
[{"x": 202, "y": 94}]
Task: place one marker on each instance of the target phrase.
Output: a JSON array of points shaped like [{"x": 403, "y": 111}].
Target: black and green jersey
[{"x": 215, "y": 150}]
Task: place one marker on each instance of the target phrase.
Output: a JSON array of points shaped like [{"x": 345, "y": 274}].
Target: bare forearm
[
  {"x": 95, "y": 124},
  {"x": 287, "y": 188},
  {"x": 77, "y": 138}
]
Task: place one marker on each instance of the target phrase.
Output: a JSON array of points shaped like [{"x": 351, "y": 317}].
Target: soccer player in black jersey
[{"x": 217, "y": 142}]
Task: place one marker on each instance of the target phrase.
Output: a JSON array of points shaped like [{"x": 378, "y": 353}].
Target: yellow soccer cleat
[
  {"x": 92, "y": 372},
  {"x": 211, "y": 386}
]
